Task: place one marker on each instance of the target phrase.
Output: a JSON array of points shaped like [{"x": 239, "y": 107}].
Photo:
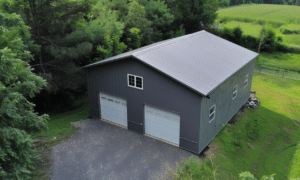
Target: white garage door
[
  {"x": 162, "y": 124},
  {"x": 113, "y": 109}
]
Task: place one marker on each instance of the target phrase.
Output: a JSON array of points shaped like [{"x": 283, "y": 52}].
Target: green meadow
[
  {"x": 276, "y": 14},
  {"x": 265, "y": 140},
  {"x": 252, "y": 29},
  {"x": 288, "y": 61},
  {"x": 284, "y": 19}
]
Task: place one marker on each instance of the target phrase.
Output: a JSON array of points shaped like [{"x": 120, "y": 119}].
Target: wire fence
[{"x": 277, "y": 72}]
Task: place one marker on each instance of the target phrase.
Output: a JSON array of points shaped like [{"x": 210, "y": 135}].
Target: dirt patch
[
  {"x": 79, "y": 123},
  {"x": 210, "y": 153},
  {"x": 288, "y": 130},
  {"x": 250, "y": 146}
]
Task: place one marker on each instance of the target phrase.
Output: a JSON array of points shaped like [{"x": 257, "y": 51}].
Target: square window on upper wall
[{"x": 135, "y": 81}]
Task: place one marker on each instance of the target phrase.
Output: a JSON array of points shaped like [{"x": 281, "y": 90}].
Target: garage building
[{"x": 179, "y": 91}]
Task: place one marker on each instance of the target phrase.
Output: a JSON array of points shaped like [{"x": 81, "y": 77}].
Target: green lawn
[
  {"x": 292, "y": 40},
  {"x": 276, "y": 14},
  {"x": 288, "y": 61},
  {"x": 252, "y": 29},
  {"x": 263, "y": 141},
  {"x": 60, "y": 123}
]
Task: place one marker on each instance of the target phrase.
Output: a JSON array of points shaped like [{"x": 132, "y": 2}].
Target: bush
[
  {"x": 194, "y": 170},
  {"x": 271, "y": 41},
  {"x": 248, "y": 176},
  {"x": 250, "y": 42}
]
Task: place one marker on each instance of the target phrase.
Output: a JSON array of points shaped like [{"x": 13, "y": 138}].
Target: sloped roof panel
[{"x": 201, "y": 61}]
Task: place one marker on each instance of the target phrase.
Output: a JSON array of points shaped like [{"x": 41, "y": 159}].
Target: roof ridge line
[{"x": 167, "y": 43}]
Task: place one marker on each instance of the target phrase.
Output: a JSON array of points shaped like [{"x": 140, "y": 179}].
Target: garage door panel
[
  {"x": 113, "y": 109},
  {"x": 162, "y": 124}
]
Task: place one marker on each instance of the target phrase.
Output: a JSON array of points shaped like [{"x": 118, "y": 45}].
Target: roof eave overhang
[
  {"x": 105, "y": 61},
  {"x": 207, "y": 95}
]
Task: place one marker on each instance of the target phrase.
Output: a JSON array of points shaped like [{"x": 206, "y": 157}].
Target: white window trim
[
  {"x": 246, "y": 80},
  {"x": 214, "y": 112},
  {"x": 235, "y": 92},
  {"x": 135, "y": 81}
]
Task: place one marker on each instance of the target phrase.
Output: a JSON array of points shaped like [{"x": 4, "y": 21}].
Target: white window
[
  {"x": 135, "y": 81},
  {"x": 246, "y": 80},
  {"x": 234, "y": 92},
  {"x": 212, "y": 113}
]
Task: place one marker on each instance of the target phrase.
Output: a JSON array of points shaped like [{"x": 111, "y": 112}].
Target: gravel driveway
[{"x": 103, "y": 151}]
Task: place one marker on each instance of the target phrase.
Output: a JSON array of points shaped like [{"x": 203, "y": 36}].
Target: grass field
[
  {"x": 284, "y": 19},
  {"x": 275, "y": 14},
  {"x": 288, "y": 61},
  {"x": 292, "y": 40},
  {"x": 263, "y": 141},
  {"x": 252, "y": 29}
]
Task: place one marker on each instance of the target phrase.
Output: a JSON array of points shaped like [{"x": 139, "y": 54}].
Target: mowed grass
[
  {"x": 263, "y": 13},
  {"x": 265, "y": 140},
  {"x": 288, "y": 61},
  {"x": 292, "y": 40},
  {"x": 252, "y": 29},
  {"x": 60, "y": 123}
]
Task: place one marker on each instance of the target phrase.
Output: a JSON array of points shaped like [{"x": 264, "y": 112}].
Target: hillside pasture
[
  {"x": 277, "y": 15},
  {"x": 292, "y": 40},
  {"x": 288, "y": 61},
  {"x": 252, "y": 29},
  {"x": 265, "y": 140}
]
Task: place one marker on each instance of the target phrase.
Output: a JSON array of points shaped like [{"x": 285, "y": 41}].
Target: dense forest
[{"x": 68, "y": 34}]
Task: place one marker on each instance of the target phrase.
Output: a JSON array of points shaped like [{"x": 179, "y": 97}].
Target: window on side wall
[
  {"x": 246, "y": 80},
  {"x": 135, "y": 81},
  {"x": 234, "y": 94},
  {"x": 212, "y": 112}
]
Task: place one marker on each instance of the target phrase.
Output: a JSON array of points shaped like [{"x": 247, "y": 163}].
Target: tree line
[{"x": 69, "y": 34}]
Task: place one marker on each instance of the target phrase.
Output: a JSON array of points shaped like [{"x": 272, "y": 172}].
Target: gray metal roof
[{"x": 201, "y": 61}]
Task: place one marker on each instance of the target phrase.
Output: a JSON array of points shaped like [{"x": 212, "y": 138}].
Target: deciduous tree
[{"x": 17, "y": 83}]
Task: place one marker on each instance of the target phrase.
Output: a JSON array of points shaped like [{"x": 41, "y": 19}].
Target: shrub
[
  {"x": 271, "y": 41},
  {"x": 250, "y": 42},
  {"x": 248, "y": 176},
  {"x": 194, "y": 170}
]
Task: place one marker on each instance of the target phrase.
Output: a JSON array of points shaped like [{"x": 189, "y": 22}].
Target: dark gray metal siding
[
  {"x": 226, "y": 108},
  {"x": 158, "y": 90}
]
